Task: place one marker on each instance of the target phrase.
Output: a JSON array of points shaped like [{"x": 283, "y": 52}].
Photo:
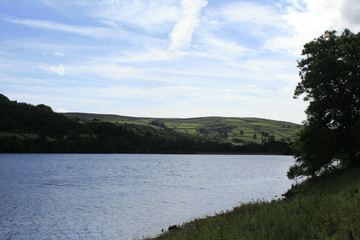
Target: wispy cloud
[
  {"x": 88, "y": 31},
  {"x": 59, "y": 53},
  {"x": 97, "y": 32},
  {"x": 111, "y": 74},
  {"x": 250, "y": 12},
  {"x": 217, "y": 48},
  {"x": 181, "y": 34},
  {"x": 151, "y": 16},
  {"x": 148, "y": 55},
  {"x": 164, "y": 57},
  {"x": 60, "y": 69}
]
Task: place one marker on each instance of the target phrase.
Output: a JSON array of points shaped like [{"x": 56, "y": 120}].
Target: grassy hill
[
  {"x": 234, "y": 130},
  {"x": 27, "y": 128},
  {"x": 327, "y": 207}
]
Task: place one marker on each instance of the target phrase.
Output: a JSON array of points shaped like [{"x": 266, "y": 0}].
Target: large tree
[{"x": 330, "y": 81}]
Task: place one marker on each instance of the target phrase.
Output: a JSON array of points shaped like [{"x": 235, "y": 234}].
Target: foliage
[
  {"x": 27, "y": 128},
  {"x": 320, "y": 208},
  {"x": 330, "y": 80}
]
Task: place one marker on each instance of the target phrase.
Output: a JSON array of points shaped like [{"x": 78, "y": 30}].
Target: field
[
  {"x": 322, "y": 208},
  {"x": 234, "y": 130}
]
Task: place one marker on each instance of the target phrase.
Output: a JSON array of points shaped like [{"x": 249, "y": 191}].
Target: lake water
[{"x": 126, "y": 196}]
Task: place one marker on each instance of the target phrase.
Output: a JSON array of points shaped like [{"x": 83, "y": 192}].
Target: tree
[{"x": 330, "y": 81}]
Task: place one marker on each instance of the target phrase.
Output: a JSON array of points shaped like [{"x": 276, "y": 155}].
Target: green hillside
[
  {"x": 234, "y": 130},
  {"x": 27, "y": 128}
]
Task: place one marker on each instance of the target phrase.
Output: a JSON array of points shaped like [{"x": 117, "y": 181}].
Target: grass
[
  {"x": 19, "y": 135},
  {"x": 323, "y": 208},
  {"x": 234, "y": 130}
]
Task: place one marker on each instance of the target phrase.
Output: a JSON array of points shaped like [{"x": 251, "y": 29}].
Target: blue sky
[{"x": 163, "y": 58}]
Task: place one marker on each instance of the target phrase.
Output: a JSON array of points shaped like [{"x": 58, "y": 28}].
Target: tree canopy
[{"x": 330, "y": 81}]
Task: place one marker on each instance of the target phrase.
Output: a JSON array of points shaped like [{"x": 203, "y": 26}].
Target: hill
[
  {"x": 326, "y": 207},
  {"x": 233, "y": 130},
  {"x": 27, "y": 128}
]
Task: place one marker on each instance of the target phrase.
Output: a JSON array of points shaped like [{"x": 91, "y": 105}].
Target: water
[{"x": 125, "y": 196}]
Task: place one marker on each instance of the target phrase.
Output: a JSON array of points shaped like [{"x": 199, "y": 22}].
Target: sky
[{"x": 164, "y": 58}]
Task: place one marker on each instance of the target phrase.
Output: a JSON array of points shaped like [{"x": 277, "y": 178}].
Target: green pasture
[{"x": 234, "y": 130}]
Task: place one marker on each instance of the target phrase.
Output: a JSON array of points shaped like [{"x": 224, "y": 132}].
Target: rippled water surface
[{"x": 125, "y": 196}]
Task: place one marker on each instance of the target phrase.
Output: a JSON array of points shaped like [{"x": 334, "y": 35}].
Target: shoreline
[
  {"x": 133, "y": 153},
  {"x": 325, "y": 207}
]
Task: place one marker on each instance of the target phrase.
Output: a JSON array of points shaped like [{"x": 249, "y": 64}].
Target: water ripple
[{"x": 122, "y": 196}]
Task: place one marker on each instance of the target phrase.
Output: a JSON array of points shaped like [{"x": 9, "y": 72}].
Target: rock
[{"x": 173, "y": 227}]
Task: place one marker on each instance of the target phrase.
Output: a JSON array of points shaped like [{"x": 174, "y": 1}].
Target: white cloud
[
  {"x": 160, "y": 94},
  {"x": 81, "y": 30},
  {"x": 227, "y": 50},
  {"x": 148, "y": 55},
  {"x": 60, "y": 69},
  {"x": 59, "y": 53},
  {"x": 251, "y": 13},
  {"x": 181, "y": 34},
  {"x": 89, "y": 31},
  {"x": 107, "y": 71},
  {"x": 148, "y": 15},
  {"x": 308, "y": 19}
]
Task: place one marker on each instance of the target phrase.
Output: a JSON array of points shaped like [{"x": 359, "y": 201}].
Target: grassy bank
[{"x": 322, "y": 208}]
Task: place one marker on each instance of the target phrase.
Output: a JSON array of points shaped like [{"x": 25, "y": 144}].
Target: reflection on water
[{"x": 124, "y": 196}]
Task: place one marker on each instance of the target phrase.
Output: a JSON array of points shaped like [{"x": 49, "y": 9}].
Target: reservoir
[{"x": 127, "y": 196}]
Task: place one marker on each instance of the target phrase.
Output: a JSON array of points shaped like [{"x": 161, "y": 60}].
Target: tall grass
[{"x": 323, "y": 208}]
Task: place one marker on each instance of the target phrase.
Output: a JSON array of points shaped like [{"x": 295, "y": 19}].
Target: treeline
[{"x": 25, "y": 128}]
